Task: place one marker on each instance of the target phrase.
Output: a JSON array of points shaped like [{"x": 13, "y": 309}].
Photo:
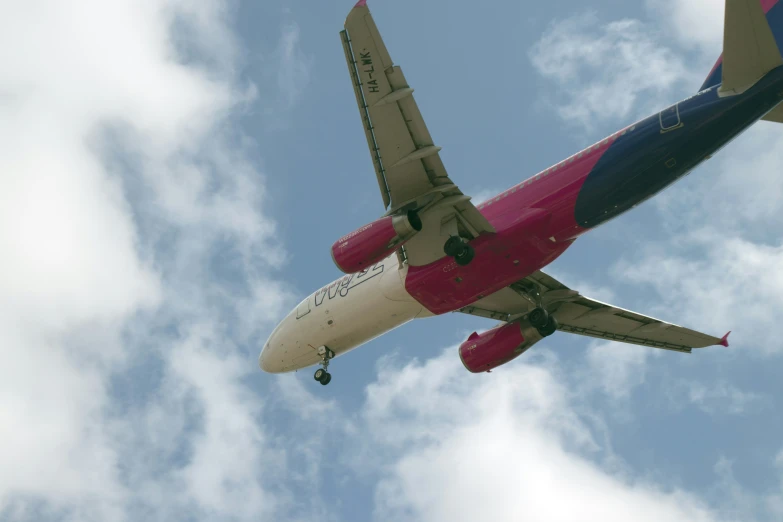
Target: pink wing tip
[
  {"x": 360, "y": 3},
  {"x": 725, "y": 340}
]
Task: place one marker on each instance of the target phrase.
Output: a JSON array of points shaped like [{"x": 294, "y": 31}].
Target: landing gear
[
  {"x": 462, "y": 252},
  {"x": 453, "y": 246},
  {"x": 538, "y": 318},
  {"x": 550, "y": 327},
  {"x": 321, "y": 375}
]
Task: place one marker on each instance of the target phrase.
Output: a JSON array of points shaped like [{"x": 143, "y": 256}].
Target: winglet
[
  {"x": 473, "y": 336},
  {"x": 725, "y": 340},
  {"x": 360, "y": 3}
]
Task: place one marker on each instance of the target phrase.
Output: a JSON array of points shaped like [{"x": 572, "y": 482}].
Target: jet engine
[
  {"x": 374, "y": 242},
  {"x": 483, "y": 352}
]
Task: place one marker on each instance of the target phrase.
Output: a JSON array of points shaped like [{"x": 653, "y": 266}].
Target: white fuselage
[{"x": 351, "y": 311}]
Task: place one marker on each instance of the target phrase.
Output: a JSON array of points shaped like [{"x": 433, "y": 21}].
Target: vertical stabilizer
[
  {"x": 752, "y": 37},
  {"x": 749, "y": 47}
]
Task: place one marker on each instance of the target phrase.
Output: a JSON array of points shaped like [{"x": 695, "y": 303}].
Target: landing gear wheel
[
  {"x": 538, "y": 318},
  {"x": 462, "y": 252},
  {"x": 453, "y": 247},
  {"x": 321, "y": 375},
  {"x": 550, "y": 328},
  {"x": 466, "y": 256}
]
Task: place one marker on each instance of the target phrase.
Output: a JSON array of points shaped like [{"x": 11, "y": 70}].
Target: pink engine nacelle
[
  {"x": 483, "y": 352},
  {"x": 374, "y": 242}
]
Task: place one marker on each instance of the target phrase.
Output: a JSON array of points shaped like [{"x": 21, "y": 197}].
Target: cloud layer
[
  {"x": 606, "y": 72},
  {"x": 137, "y": 261},
  {"x": 507, "y": 446},
  {"x": 140, "y": 272}
]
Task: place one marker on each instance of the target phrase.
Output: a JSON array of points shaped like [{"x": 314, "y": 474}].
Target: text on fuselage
[{"x": 342, "y": 286}]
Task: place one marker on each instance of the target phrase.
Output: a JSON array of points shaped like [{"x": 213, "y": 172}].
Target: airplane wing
[
  {"x": 407, "y": 163},
  {"x": 584, "y": 316}
]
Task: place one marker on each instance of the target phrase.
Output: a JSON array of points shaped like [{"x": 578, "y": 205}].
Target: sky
[{"x": 172, "y": 176}]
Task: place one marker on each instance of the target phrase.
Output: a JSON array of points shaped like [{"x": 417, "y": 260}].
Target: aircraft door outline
[
  {"x": 670, "y": 119},
  {"x": 304, "y": 308}
]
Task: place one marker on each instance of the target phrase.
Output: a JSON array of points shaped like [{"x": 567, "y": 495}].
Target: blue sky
[{"x": 174, "y": 174}]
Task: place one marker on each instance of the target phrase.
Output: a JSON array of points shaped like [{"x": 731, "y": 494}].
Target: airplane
[{"x": 435, "y": 252}]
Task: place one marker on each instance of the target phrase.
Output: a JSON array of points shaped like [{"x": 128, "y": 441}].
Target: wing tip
[
  {"x": 360, "y": 3},
  {"x": 725, "y": 340}
]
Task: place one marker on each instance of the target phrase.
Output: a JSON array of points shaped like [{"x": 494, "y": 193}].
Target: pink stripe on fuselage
[
  {"x": 554, "y": 189},
  {"x": 526, "y": 217}
]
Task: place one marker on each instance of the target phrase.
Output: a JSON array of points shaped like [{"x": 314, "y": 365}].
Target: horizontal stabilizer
[
  {"x": 775, "y": 115},
  {"x": 749, "y": 47}
]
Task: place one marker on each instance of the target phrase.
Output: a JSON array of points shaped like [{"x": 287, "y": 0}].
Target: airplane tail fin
[{"x": 752, "y": 38}]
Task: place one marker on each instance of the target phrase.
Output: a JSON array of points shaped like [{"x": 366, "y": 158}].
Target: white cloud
[
  {"x": 503, "y": 446},
  {"x": 739, "y": 503},
  {"x": 716, "y": 283},
  {"x": 716, "y": 398},
  {"x": 737, "y": 192},
  {"x": 606, "y": 72},
  {"x": 285, "y": 74},
  {"x": 122, "y": 184},
  {"x": 616, "y": 368},
  {"x": 775, "y": 500},
  {"x": 294, "y": 70},
  {"x": 301, "y": 400},
  {"x": 227, "y": 453},
  {"x": 696, "y": 23}
]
